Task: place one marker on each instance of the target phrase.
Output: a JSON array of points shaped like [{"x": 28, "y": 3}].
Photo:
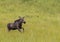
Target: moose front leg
[
  {"x": 18, "y": 28},
  {"x": 22, "y": 29}
]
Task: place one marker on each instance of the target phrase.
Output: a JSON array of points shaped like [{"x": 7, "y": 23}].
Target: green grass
[{"x": 42, "y": 17}]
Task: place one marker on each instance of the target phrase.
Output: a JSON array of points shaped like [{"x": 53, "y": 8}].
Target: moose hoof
[{"x": 22, "y": 30}]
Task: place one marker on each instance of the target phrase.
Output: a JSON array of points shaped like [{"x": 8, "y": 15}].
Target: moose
[{"x": 17, "y": 24}]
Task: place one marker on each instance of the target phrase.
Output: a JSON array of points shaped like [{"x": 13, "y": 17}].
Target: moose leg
[
  {"x": 22, "y": 29},
  {"x": 18, "y": 28},
  {"x": 9, "y": 29},
  {"x": 8, "y": 26}
]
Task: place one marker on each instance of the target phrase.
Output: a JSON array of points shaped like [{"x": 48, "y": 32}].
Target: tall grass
[{"x": 42, "y": 20}]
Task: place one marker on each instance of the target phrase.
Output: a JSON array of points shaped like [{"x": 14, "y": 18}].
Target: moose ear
[
  {"x": 23, "y": 17},
  {"x": 19, "y": 16}
]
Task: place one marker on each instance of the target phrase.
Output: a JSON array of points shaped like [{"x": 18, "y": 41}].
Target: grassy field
[{"x": 42, "y": 17}]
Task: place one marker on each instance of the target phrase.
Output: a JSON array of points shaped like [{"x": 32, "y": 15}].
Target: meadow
[{"x": 42, "y": 20}]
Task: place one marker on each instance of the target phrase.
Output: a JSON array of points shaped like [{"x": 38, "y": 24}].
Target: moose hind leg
[
  {"x": 8, "y": 29},
  {"x": 8, "y": 26}
]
